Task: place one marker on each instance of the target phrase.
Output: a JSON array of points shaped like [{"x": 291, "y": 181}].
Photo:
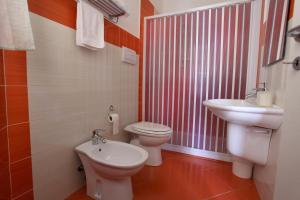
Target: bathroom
[{"x": 149, "y": 99}]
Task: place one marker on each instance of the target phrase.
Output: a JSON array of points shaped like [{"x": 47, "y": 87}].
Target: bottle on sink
[{"x": 264, "y": 97}]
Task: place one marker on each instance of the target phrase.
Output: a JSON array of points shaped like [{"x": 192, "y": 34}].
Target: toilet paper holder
[{"x": 111, "y": 108}]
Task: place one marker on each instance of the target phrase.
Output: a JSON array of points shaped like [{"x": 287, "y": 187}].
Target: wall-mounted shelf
[{"x": 109, "y": 8}]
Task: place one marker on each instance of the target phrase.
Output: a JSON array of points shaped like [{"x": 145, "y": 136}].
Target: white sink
[
  {"x": 109, "y": 167},
  {"x": 244, "y": 113},
  {"x": 249, "y": 130}
]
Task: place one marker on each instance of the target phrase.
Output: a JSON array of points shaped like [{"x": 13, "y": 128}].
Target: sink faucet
[
  {"x": 253, "y": 93},
  {"x": 98, "y": 137}
]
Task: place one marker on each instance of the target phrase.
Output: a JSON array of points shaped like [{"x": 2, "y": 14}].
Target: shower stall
[{"x": 193, "y": 56}]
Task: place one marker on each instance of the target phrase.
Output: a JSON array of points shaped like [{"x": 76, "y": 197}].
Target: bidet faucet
[
  {"x": 253, "y": 93},
  {"x": 98, "y": 137}
]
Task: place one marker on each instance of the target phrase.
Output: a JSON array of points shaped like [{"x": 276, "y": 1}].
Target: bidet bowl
[
  {"x": 109, "y": 167},
  {"x": 114, "y": 159}
]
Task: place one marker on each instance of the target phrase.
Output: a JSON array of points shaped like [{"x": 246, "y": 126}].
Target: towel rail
[{"x": 109, "y": 8}]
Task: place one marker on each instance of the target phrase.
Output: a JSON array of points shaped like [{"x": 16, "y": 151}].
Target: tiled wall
[
  {"x": 283, "y": 82},
  {"x": 147, "y": 9},
  {"x": 15, "y": 150},
  {"x": 70, "y": 91},
  {"x": 15, "y": 153},
  {"x": 4, "y": 159}
]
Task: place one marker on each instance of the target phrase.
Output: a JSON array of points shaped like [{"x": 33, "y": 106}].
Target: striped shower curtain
[{"x": 192, "y": 57}]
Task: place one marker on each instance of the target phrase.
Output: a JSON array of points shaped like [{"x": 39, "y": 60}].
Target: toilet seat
[
  {"x": 149, "y": 128},
  {"x": 150, "y": 136}
]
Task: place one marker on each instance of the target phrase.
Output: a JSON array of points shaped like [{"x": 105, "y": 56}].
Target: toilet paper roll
[{"x": 114, "y": 119}]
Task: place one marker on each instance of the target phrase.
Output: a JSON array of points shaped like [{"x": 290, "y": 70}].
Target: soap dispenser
[{"x": 264, "y": 97}]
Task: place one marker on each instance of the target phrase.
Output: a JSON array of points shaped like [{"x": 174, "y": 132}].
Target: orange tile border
[
  {"x": 19, "y": 141},
  {"x": 14, "y": 109},
  {"x": 3, "y": 119},
  {"x": 17, "y": 104},
  {"x": 21, "y": 177},
  {"x": 26, "y": 196},
  {"x": 4, "y": 157},
  {"x": 291, "y": 11},
  {"x": 147, "y": 9},
  {"x": 1, "y": 68},
  {"x": 4, "y": 183},
  {"x": 64, "y": 12},
  {"x": 4, "y": 166},
  {"x": 15, "y": 67}
]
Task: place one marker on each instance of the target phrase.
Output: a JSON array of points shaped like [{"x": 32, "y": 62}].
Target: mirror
[{"x": 275, "y": 21}]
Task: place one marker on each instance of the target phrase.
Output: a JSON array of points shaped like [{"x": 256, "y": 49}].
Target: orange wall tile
[
  {"x": 4, "y": 183},
  {"x": 111, "y": 33},
  {"x": 61, "y": 11},
  {"x": 4, "y": 166},
  {"x": 2, "y": 94},
  {"x": 16, "y": 97},
  {"x": 19, "y": 141},
  {"x": 17, "y": 104},
  {"x": 3, "y": 121},
  {"x": 4, "y": 157},
  {"x": 26, "y": 196},
  {"x": 3, "y": 146},
  {"x": 147, "y": 9},
  {"x": 21, "y": 177},
  {"x": 14, "y": 111},
  {"x": 15, "y": 67},
  {"x": 1, "y": 68},
  {"x": 292, "y": 5}
]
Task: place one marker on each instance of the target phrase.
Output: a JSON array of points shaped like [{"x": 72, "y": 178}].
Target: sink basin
[
  {"x": 109, "y": 167},
  {"x": 244, "y": 113},
  {"x": 249, "y": 130}
]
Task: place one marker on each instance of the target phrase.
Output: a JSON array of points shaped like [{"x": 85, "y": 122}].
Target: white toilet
[{"x": 150, "y": 136}]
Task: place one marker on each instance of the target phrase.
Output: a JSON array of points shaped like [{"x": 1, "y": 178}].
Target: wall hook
[{"x": 295, "y": 63}]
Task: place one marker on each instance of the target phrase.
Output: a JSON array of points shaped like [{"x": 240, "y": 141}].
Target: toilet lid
[{"x": 152, "y": 128}]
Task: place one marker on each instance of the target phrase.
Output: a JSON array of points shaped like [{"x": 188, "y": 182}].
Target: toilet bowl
[{"x": 150, "y": 136}]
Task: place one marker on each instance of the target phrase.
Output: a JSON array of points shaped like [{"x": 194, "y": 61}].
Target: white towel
[
  {"x": 90, "y": 26},
  {"x": 15, "y": 27}
]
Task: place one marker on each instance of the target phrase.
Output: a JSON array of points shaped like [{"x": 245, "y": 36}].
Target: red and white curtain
[{"x": 190, "y": 58}]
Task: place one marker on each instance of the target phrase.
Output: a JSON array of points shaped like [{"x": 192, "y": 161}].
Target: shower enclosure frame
[{"x": 255, "y": 16}]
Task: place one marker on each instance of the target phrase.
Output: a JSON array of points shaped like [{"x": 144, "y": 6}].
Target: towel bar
[{"x": 109, "y": 8}]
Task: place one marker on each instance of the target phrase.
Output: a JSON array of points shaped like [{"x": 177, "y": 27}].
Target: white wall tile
[{"x": 70, "y": 91}]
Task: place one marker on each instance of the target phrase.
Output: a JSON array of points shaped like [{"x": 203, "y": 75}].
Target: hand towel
[
  {"x": 15, "y": 26},
  {"x": 90, "y": 26}
]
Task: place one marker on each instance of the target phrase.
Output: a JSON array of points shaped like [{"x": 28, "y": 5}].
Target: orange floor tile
[{"x": 183, "y": 177}]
